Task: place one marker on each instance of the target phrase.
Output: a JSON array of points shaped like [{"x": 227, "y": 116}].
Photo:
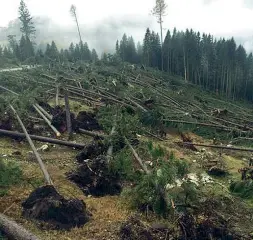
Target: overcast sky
[{"x": 219, "y": 17}]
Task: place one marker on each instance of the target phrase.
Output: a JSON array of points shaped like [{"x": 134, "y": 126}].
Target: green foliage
[
  {"x": 122, "y": 164},
  {"x": 243, "y": 189},
  {"x": 150, "y": 189},
  {"x": 10, "y": 174}
]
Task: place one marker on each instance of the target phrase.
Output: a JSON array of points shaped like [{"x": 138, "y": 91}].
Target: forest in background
[{"x": 217, "y": 65}]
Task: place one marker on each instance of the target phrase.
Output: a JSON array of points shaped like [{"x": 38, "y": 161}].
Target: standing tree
[
  {"x": 28, "y": 31},
  {"x": 160, "y": 11},
  {"x": 27, "y": 25},
  {"x": 73, "y": 14}
]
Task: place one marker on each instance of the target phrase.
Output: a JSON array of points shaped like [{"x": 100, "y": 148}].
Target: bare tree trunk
[
  {"x": 161, "y": 29},
  {"x": 14, "y": 231},
  {"x": 58, "y": 134},
  {"x": 68, "y": 117},
  {"x": 57, "y": 95},
  {"x": 42, "y": 166},
  {"x": 143, "y": 166},
  {"x": 16, "y": 135},
  {"x": 185, "y": 71},
  {"x": 49, "y": 116}
]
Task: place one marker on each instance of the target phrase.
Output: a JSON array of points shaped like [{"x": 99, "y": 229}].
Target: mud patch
[{"x": 47, "y": 205}]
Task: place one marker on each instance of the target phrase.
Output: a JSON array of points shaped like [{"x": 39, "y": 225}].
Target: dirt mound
[
  {"x": 87, "y": 121},
  {"x": 94, "y": 177},
  {"x": 134, "y": 229},
  {"x": 92, "y": 150},
  {"x": 48, "y": 205},
  {"x": 6, "y": 122},
  {"x": 59, "y": 120}
]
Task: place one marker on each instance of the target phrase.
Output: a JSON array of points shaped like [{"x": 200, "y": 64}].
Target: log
[
  {"x": 92, "y": 134},
  {"x": 57, "y": 96},
  {"x": 42, "y": 166},
  {"x": 216, "y": 146},
  {"x": 200, "y": 124},
  {"x": 110, "y": 149},
  {"x": 41, "y": 139},
  {"x": 49, "y": 116},
  {"x": 68, "y": 117},
  {"x": 137, "y": 105},
  {"x": 58, "y": 134},
  {"x": 13, "y": 230},
  {"x": 143, "y": 166},
  {"x": 8, "y": 90}
]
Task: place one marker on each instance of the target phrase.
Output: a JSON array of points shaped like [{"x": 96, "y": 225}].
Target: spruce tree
[
  {"x": 94, "y": 56},
  {"x": 27, "y": 25}
]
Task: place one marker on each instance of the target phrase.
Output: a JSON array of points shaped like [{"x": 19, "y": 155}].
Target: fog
[{"x": 103, "y": 22}]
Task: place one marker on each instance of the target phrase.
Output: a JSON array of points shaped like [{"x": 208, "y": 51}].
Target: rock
[{"x": 43, "y": 148}]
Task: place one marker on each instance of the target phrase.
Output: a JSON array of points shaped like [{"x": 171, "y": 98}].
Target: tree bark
[
  {"x": 41, "y": 139},
  {"x": 42, "y": 166},
  {"x": 58, "y": 134},
  {"x": 13, "y": 230},
  {"x": 68, "y": 117}
]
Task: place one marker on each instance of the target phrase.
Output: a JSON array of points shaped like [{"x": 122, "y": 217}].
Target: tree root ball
[
  {"x": 47, "y": 205},
  {"x": 95, "y": 178},
  {"x": 135, "y": 229}
]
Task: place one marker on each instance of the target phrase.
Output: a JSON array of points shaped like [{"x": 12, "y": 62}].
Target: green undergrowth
[
  {"x": 243, "y": 189},
  {"x": 10, "y": 174}
]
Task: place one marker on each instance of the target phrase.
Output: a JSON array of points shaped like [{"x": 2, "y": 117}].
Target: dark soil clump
[
  {"x": 47, "y": 205},
  {"x": 59, "y": 120},
  {"x": 87, "y": 121},
  {"x": 6, "y": 122},
  {"x": 134, "y": 229},
  {"x": 92, "y": 150},
  {"x": 95, "y": 178}
]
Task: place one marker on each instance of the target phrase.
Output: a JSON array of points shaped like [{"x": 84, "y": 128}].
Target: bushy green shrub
[
  {"x": 150, "y": 191},
  {"x": 10, "y": 174},
  {"x": 243, "y": 189}
]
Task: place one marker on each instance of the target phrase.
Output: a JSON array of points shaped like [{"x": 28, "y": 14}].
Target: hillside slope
[{"x": 158, "y": 114}]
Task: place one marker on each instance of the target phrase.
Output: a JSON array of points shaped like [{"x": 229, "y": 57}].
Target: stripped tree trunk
[
  {"x": 58, "y": 134},
  {"x": 68, "y": 117},
  {"x": 13, "y": 230},
  {"x": 42, "y": 166}
]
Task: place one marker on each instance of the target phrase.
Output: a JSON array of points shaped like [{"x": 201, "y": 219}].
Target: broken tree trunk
[
  {"x": 57, "y": 96},
  {"x": 143, "y": 166},
  {"x": 58, "y": 134},
  {"x": 200, "y": 124},
  {"x": 92, "y": 134},
  {"x": 13, "y": 230},
  {"x": 110, "y": 149},
  {"x": 41, "y": 139},
  {"x": 8, "y": 90},
  {"x": 137, "y": 104},
  {"x": 216, "y": 146},
  {"x": 68, "y": 117},
  {"x": 49, "y": 116},
  {"x": 42, "y": 166}
]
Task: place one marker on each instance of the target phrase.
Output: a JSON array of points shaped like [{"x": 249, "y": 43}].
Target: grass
[{"x": 10, "y": 174}]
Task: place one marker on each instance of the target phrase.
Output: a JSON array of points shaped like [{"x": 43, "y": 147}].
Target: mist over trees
[{"x": 216, "y": 64}]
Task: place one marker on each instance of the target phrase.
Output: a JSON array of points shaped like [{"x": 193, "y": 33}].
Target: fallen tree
[
  {"x": 216, "y": 146},
  {"x": 13, "y": 230},
  {"x": 16, "y": 135}
]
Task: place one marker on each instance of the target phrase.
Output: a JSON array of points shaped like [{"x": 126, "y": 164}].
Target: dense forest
[{"x": 217, "y": 65}]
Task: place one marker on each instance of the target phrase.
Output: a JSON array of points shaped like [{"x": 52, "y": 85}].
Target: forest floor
[
  {"x": 109, "y": 212},
  {"x": 174, "y": 98}
]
